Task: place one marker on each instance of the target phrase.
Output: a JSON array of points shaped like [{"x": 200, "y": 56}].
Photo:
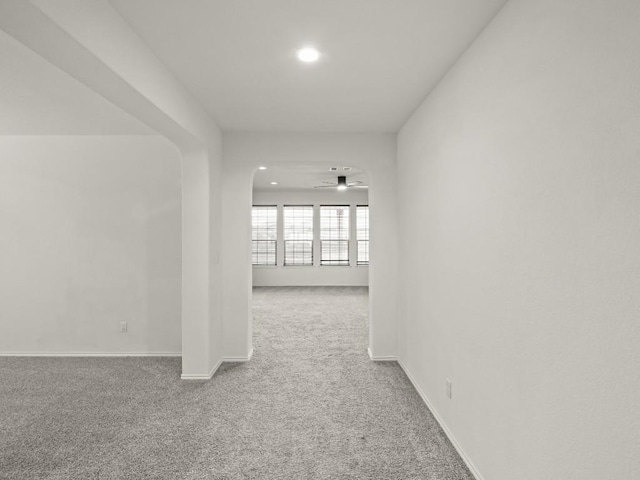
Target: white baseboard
[
  {"x": 91, "y": 354},
  {"x": 201, "y": 376},
  {"x": 239, "y": 359},
  {"x": 388, "y": 358},
  {"x": 472, "y": 468}
]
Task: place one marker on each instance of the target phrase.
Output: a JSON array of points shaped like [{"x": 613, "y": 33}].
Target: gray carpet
[{"x": 310, "y": 405}]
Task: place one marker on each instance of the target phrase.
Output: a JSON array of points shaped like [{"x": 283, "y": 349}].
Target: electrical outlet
[
  {"x": 449, "y": 385},
  {"x": 123, "y": 327}
]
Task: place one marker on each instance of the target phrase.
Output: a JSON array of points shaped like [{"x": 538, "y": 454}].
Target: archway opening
[{"x": 310, "y": 238}]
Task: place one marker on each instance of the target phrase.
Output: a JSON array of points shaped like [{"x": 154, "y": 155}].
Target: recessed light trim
[
  {"x": 308, "y": 54},
  {"x": 274, "y": 183},
  {"x": 262, "y": 168}
]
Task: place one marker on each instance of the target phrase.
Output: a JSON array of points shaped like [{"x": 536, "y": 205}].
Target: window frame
[
  {"x": 275, "y": 241},
  {"x": 358, "y": 240},
  {"x": 329, "y": 262},
  {"x": 310, "y": 241}
]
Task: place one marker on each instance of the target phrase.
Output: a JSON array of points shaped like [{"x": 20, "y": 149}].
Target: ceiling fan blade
[{"x": 342, "y": 184}]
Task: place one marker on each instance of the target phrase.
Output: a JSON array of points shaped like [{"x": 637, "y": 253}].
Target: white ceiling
[
  {"x": 380, "y": 57},
  {"x": 303, "y": 177},
  {"x": 37, "y": 98}
]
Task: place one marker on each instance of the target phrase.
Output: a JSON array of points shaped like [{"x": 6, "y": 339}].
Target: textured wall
[
  {"x": 519, "y": 231},
  {"x": 90, "y": 238}
]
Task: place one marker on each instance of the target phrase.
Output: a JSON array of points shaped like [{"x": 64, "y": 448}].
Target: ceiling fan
[{"x": 342, "y": 184}]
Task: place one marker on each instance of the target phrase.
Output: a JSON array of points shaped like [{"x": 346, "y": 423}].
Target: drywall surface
[
  {"x": 519, "y": 219},
  {"x": 316, "y": 275},
  {"x": 242, "y": 154},
  {"x": 94, "y": 44},
  {"x": 90, "y": 237}
]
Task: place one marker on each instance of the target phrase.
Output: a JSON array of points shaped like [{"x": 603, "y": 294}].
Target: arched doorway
[
  {"x": 244, "y": 154},
  {"x": 310, "y": 238}
]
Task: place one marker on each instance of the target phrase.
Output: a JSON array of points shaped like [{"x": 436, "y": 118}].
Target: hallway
[
  {"x": 310, "y": 404},
  {"x": 338, "y": 414}
]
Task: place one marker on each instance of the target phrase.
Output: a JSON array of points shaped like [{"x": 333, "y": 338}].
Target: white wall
[
  {"x": 242, "y": 154},
  {"x": 90, "y": 236},
  {"x": 279, "y": 275},
  {"x": 92, "y": 42},
  {"x": 519, "y": 232}
]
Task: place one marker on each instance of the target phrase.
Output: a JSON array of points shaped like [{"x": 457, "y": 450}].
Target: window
[
  {"x": 334, "y": 235},
  {"x": 362, "y": 233},
  {"x": 298, "y": 234},
  {"x": 264, "y": 233}
]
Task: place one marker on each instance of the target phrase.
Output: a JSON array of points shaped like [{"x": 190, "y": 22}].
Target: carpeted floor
[{"x": 309, "y": 405}]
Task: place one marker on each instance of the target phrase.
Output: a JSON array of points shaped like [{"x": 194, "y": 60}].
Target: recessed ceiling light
[
  {"x": 274, "y": 183},
  {"x": 308, "y": 55},
  {"x": 262, "y": 168}
]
